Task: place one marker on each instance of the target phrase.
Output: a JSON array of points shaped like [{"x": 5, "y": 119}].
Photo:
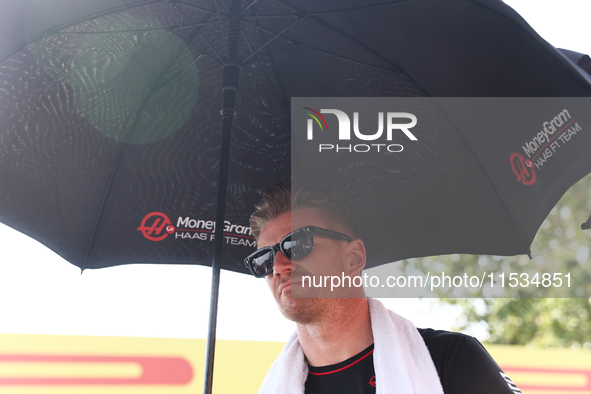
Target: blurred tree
[
  {"x": 560, "y": 246},
  {"x": 542, "y": 322}
]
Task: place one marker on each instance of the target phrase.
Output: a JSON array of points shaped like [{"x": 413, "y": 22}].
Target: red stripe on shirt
[{"x": 340, "y": 369}]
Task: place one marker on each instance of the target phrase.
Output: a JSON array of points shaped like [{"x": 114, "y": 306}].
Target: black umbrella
[
  {"x": 465, "y": 175},
  {"x": 110, "y": 111}
]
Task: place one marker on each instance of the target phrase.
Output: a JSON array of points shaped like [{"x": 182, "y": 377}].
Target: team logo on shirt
[
  {"x": 510, "y": 383},
  {"x": 372, "y": 381}
]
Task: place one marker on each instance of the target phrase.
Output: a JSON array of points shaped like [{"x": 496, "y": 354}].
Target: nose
[{"x": 282, "y": 265}]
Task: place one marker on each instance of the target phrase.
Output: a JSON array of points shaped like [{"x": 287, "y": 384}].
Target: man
[{"x": 349, "y": 343}]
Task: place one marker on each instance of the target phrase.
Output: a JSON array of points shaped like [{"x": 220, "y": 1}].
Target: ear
[{"x": 356, "y": 251}]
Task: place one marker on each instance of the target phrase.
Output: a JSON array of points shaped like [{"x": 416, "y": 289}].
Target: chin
[{"x": 304, "y": 310}]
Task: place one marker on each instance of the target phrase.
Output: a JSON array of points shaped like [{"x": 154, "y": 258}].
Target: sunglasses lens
[
  {"x": 297, "y": 245},
  {"x": 262, "y": 262},
  {"x": 294, "y": 246}
]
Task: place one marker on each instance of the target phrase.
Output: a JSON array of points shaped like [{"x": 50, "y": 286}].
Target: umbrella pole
[{"x": 231, "y": 73}]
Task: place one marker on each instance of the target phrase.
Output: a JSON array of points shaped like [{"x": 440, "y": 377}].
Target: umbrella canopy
[
  {"x": 111, "y": 121},
  {"x": 466, "y": 175},
  {"x": 110, "y": 126}
]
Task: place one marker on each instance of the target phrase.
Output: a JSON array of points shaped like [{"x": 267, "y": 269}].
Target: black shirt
[
  {"x": 355, "y": 375},
  {"x": 462, "y": 363}
]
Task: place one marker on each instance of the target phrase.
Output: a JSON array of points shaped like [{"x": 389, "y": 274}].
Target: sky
[{"x": 40, "y": 293}]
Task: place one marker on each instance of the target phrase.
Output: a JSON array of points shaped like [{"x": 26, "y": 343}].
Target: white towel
[{"x": 401, "y": 359}]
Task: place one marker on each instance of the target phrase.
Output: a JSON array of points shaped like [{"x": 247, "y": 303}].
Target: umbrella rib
[
  {"x": 219, "y": 18},
  {"x": 257, "y": 59},
  {"x": 109, "y": 12},
  {"x": 256, "y": 15},
  {"x": 196, "y": 7},
  {"x": 378, "y": 55},
  {"x": 203, "y": 50},
  {"x": 158, "y": 87},
  {"x": 280, "y": 90},
  {"x": 366, "y": 7},
  {"x": 490, "y": 181},
  {"x": 203, "y": 53},
  {"x": 225, "y": 4},
  {"x": 120, "y": 154},
  {"x": 329, "y": 12},
  {"x": 263, "y": 71},
  {"x": 276, "y": 89},
  {"x": 522, "y": 24},
  {"x": 250, "y": 5},
  {"x": 201, "y": 34},
  {"x": 393, "y": 69},
  {"x": 57, "y": 147},
  {"x": 77, "y": 21},
  {"x": 278, "y": 16},
  {"x": 272, "y": 39},
  {"x": 129, "y": 31}
]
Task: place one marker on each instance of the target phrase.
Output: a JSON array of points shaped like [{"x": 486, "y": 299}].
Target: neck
[{"x": 343, "y": 333}]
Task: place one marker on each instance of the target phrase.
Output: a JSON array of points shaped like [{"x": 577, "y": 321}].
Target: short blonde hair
[{"x": 279, "y": 199}]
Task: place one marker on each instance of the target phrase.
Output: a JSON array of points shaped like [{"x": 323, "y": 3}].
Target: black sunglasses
[{"x": 294, "y": 246}]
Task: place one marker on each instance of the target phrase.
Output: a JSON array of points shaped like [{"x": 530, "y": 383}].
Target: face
[{"x": 329, "y": 257}]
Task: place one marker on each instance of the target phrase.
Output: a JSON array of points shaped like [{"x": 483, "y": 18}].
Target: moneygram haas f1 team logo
[
  {"x": 523, "y": 169},
  {"x": 554, "y": 134},
  {"x": 156, "y": 226}
]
